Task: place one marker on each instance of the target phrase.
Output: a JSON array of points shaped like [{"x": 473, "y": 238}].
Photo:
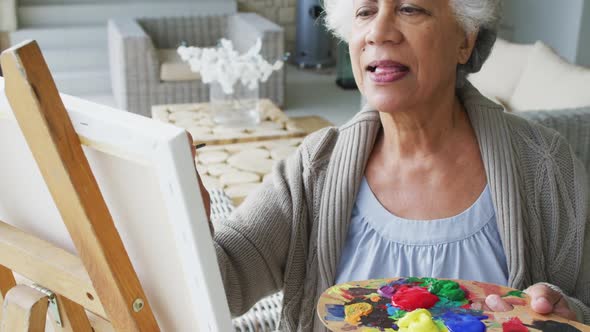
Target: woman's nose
[{"x": 383, "y": 30}]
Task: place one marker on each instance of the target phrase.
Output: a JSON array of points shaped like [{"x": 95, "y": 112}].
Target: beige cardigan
[{"x": 289, "y": 234}]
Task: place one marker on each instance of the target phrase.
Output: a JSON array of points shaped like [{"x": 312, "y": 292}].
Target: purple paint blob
[
  {"x": 389, "y": 289},
  {"x": 386, "y": 291},
  {"x": 460, "y": 322}
]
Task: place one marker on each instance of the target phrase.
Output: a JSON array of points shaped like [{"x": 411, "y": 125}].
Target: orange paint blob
[{"x": 354, "y": 312}]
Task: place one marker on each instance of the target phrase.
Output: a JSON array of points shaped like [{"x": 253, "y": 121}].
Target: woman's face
[{"x": 405, "y": 52}]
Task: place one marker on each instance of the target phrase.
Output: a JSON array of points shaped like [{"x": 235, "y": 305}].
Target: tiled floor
[
  {"x": 312, "y": 93},
  {"x": 308, "y": 92}
]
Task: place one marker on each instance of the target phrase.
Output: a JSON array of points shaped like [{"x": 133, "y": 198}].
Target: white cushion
[
  {"x": 501, "y": 73},
  {"x": 173, "y": 69},
  {"x": 549, "y": 82}
]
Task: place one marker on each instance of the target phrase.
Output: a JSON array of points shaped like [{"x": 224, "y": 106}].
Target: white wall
[
  {"x": 7, "y": 15},
  {"x": 555, "y": 22}
]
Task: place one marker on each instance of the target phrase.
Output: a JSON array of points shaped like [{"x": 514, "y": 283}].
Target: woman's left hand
[{"x": 544, "y": 300}]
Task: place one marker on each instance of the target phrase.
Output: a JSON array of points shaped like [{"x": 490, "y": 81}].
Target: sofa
[
  {"x": 147, "y": 71},
  {"x": 533, "y": 82},
  {"x": 532, "y": 77}
]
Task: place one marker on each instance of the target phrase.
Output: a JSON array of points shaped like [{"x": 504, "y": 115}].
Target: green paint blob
[
  {"x": 515, "y": 293},
  {"x": 442, "y": 288},
  {"x": 441, "y": 325},
  {"x": 443, "y": 302}
]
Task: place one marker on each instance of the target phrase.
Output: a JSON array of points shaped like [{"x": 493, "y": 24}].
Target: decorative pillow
[
  {"x": 173, "y": 69},
  {"x": 549, "y": 82},
  {"x": 501, "y": 73}
]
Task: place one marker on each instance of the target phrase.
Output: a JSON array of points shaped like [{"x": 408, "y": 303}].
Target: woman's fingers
[
  {"x": 496, "y": 303},
  {"x": 563, "y": 309},
  {"x": 545, "y": 300}
]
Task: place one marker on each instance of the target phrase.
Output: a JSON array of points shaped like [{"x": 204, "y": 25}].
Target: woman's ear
[{"x": 467, "y": 46}]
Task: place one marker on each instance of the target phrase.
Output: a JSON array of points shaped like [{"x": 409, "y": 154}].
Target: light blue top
[{"x": 382, "y": 245}]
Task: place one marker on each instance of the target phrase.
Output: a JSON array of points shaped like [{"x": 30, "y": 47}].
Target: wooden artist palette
[{"x": 374, "y": 305}]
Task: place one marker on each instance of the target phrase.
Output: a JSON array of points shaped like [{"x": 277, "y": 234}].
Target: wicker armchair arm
[
  {"x": 171, "y": 32},
  {"x": 132, "y": 58},
  {"x": 245, "y": 28}
]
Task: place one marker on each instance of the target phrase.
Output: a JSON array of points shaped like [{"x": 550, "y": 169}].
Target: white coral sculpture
[{"x": 226, "y": 66}]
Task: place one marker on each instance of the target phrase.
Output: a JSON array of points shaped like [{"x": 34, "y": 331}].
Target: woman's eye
[
  {"x": 364, "y": 13},
  {"x": 410, "y": 10}
]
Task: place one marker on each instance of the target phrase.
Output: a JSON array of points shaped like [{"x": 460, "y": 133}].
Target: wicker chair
[
  {"x": 572, "y": 124},
  {"x": 135, "y": 47}
]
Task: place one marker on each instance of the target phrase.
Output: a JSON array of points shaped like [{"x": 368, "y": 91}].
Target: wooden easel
[{"x": 102, "y": 279}]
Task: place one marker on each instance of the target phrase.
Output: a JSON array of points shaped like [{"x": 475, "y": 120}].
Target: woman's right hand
[{"x": 544, "y": 300}]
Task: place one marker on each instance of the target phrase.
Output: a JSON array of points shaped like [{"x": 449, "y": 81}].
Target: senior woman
[{"x": 431, "y": 180}]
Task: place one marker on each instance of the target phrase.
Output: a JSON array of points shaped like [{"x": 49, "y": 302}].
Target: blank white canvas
[{"x": 145, "y": 172}]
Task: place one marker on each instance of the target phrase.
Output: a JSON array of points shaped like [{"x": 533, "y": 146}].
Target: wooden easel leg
[
  {"x": 7, "y": 282},
  {"x": 73, "y": 317},
  {"x": 24, "y": 310}
]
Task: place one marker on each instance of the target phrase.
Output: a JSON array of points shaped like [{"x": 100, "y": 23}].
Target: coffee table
[
  {"x": 237, "y": 161},
  {"x": 197, "y": 118}
]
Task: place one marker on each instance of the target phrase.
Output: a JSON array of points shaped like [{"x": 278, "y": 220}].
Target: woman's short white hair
[{"x": 473, "y": 15}]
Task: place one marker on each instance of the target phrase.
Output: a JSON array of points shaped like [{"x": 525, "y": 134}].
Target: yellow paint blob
[
  {"x": 419, "y": 320},
  {"x": 354, "y": 312}
]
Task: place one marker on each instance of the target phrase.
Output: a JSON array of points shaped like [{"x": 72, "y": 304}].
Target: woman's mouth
[{"x": 387, "y": 71}]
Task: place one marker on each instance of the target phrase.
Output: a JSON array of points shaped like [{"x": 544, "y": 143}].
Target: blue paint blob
[
  {"x": 438, "y": 312},
  {"x": 391, "y": 310},
  {"x": 335, "y": 312},
  {"x": 462, "y": 322}
]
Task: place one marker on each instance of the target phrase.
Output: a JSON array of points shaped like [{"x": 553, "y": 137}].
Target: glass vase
[{"x": 237, "y": 109}]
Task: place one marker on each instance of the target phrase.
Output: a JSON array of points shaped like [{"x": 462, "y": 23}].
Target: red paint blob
[
  {"x": 514, "y": 325},
  {"x": 346, "y": 294},
  {"x": 468, "y": 295},
  {"x": 410, "y": 298}
]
